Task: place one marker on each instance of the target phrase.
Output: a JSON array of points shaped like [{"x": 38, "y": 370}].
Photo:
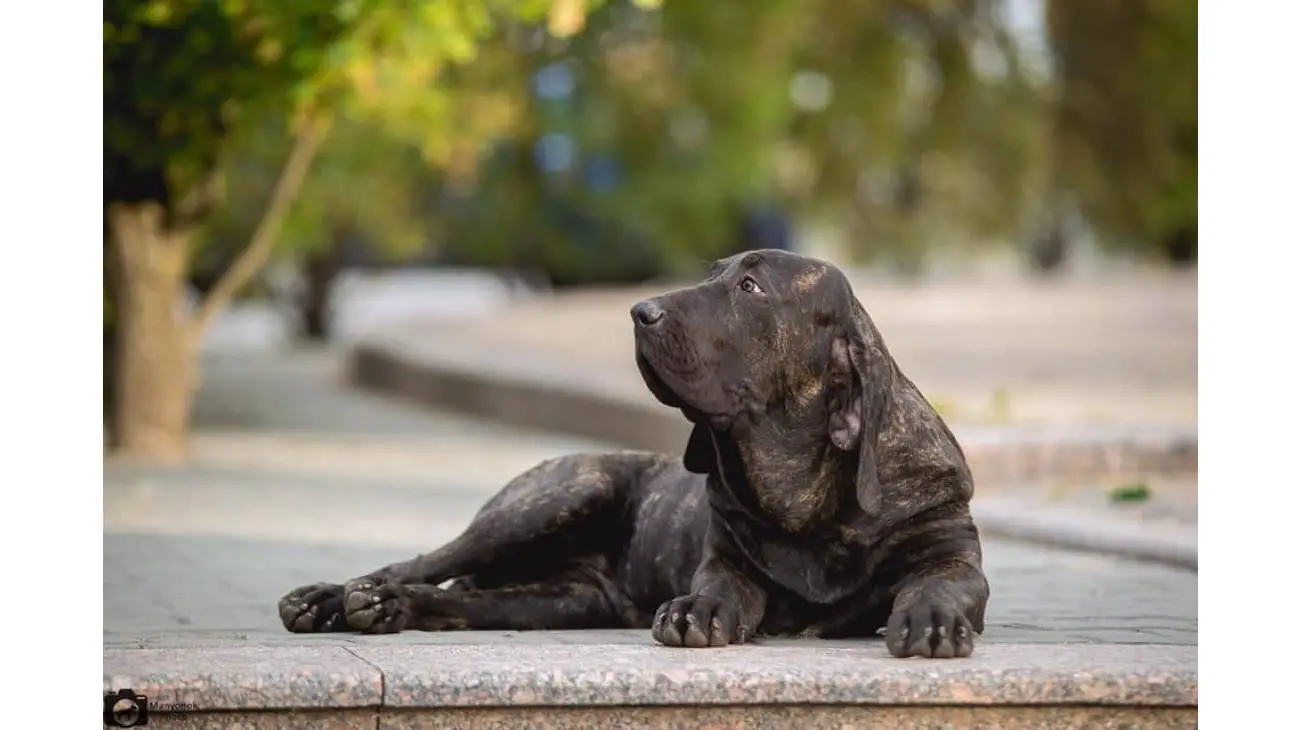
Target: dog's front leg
[
  {"x": 724, "y": 607},
  {"x": 938, "y": 609}
]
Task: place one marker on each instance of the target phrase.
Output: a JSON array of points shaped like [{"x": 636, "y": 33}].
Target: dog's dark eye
[{"x": 749, "y": 286}]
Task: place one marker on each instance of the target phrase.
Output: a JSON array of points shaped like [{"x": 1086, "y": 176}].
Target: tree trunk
[
  {"x": 320, "y": 272},
  {"x": 155, "y": 367}
]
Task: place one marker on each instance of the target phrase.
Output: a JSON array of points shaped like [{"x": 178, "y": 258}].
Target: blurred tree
[
  {"x": 1124, "y": 138},
  {"x": 910, "y": 125},
  {"x": 648, "y": 141},
  {"x": 905, "y": 120},
  {"x": 361, "y": 203},
  {"x": 930, "y": 132},
  {"x": 181, "y": 78}
]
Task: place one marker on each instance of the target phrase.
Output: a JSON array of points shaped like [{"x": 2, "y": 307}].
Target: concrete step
[
  {"x": 621, "y": 679},
  {"x": 1110, "y": 531},
  {"x": 464, "y": 376}
]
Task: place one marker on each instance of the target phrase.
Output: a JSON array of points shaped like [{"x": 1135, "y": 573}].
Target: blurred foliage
[
  {"x": 1125, "y": 115},
  {"x": 362, "y": 180},
  {"x": 863, "y": 114},
  {"x": 1136, "y": 492},
  {"x": 187, "y": 80},
  {"x": 947, "y": 149},
  {"x": 910, "y": 125}
]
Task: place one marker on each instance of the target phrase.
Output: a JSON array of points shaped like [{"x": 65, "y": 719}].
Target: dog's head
[{"x": 775, "y": 352}]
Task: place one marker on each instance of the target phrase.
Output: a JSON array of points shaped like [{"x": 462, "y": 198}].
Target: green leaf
[
  {"x": 1136, "y": 492},
  {"x": 157, "y": 12}
]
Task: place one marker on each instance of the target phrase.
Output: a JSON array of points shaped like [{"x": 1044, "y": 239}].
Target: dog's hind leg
[
  {"x": 560, "y": 509},
  {"x": 552, "y": 604}
]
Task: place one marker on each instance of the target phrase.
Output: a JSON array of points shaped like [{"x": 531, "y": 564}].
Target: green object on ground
[{"x": 1137, "y": 492}]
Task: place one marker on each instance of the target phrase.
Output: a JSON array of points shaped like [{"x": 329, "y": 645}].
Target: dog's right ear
[
  {"x": 854, "y": 414},
  {"x": 700, "y": 458}
]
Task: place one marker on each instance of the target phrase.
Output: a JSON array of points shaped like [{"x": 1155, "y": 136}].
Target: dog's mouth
[
  {"x": 660, "y": 389},
  {"x": 694, "y": 410}
]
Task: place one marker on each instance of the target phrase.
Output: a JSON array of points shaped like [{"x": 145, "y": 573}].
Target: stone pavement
[
  {"x": 167, "y": 591},
  {"x": 297, "y": 478}
]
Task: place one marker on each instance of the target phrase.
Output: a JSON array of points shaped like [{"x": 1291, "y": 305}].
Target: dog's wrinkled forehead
[
  {"x": 788, "y": 272},
  {"x": 811, "y": 285}
]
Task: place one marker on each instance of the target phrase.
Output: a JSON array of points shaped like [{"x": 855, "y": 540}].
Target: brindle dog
[{"x": 822, "y": 495}]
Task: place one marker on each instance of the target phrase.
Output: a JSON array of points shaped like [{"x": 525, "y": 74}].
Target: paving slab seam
[{"x": 383, "y": 685}]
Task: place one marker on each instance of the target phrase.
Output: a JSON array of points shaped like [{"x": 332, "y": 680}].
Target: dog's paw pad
[
  {"x": 314, "y": 608},
  {"x": 377, "y": 607}
]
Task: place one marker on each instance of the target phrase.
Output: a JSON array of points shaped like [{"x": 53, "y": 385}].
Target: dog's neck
[{"x": 783, "y": 468}]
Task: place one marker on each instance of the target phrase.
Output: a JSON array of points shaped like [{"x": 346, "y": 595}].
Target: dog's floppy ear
[
  {"x": 700, "y": 458},
  {"x": 854, "y": 404}
]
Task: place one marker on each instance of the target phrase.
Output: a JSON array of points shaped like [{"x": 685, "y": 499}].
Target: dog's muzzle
[{"x": 647, "y": 313}]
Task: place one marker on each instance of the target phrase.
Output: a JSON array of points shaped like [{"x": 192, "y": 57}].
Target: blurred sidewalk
[
  {"x": 284, "y": 449},
  {"x": 1113, "y": 349}
]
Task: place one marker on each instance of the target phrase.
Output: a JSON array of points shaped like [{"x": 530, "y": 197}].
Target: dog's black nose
[{"x": 647, "y": 313}]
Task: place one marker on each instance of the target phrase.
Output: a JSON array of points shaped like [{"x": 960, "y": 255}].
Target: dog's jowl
[{"x": 819, "y": 494}]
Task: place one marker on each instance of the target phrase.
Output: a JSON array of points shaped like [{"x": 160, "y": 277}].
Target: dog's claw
[
  {"x": 943, "y": 633},
  {"x": 696, "y": 621}
]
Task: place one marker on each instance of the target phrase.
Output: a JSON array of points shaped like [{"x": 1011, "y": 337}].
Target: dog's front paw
[
  {"x": 376, "y": 605},
  {"x": 314, "y": 608},
  {"x": 698, "y": 621},
  {"x": 929, "y": 629}
]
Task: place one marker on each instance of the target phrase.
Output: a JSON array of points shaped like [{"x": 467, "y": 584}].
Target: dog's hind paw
[
  {"x": 313, "y": 609},
  {"x": 375, "y": 605}
]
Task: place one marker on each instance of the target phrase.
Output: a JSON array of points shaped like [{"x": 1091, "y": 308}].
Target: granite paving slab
[
  {"x": 253, "y": 677},
  {"x": 360, "y": 719},
  {"x": 797, "y": 717},
  {"x": 780, "y": 672},
  {"x": 794, "y": 671}
]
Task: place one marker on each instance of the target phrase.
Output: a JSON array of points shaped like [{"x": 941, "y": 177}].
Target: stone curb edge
[
  {"x": 536, "y": 400},
  {"x": 540, "y": 402},
  {"x": 1087, "y": 531},
  {"x": 424, "y": 677},
  {"x": 517, "y": 396}
]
